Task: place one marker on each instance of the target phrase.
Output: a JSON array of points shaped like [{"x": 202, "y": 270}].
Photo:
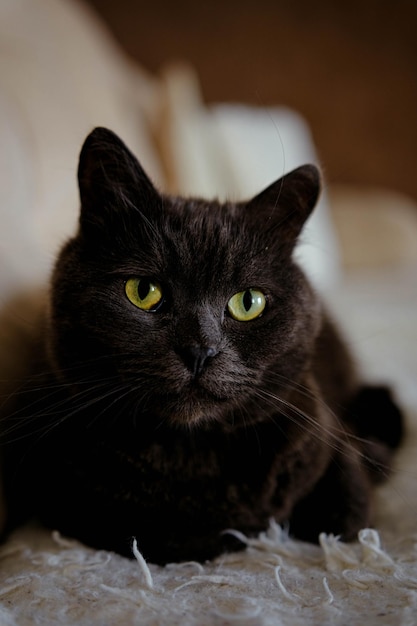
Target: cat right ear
[
  {"x": 287, "y": 203},
  {"x": 111, "y": 180}
]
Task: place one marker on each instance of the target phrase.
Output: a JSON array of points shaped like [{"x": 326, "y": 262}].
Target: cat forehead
[
  {"x": 202, "y": 214},
  {"x": 209, "y": 229},
  {"x": 200, "y": 241}
]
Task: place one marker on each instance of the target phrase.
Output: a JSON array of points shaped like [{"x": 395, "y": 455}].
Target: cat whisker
[
  {"x": 336, "y": 437},
  {"x": 55, "y": 413}
]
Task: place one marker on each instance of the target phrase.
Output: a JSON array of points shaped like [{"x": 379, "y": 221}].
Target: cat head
[{"x": 190, "y": 310}]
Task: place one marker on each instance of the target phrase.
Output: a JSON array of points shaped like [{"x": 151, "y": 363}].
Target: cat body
[{"x": 187, "y": 379}]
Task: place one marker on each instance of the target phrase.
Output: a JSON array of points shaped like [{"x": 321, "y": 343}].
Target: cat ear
[
  {"x": 286, "y": 204},
  {"x": 111, "y": 180}
]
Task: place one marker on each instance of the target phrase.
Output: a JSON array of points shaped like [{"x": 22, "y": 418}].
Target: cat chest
[{"x": 172, "y": 474}]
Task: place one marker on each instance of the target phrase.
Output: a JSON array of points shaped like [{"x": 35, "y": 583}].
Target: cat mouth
[{"x": 195, "y": 405}]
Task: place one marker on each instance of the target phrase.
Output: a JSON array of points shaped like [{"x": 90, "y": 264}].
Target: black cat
[{"x": 186, "y": 378}]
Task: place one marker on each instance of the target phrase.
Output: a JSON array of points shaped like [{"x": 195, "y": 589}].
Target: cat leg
[
  {"x": 340, "y": 502},
  {"x": 374, "y": 417}
]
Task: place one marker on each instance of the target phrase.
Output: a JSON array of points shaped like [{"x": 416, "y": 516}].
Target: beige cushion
[{"x": 60, "y": 75}]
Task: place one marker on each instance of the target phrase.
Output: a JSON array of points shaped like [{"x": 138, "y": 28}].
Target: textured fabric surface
[{"x": 46, "y": 579}]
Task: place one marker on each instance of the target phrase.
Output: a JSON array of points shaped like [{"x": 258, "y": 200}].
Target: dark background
[{"x": 349, "y": 67}]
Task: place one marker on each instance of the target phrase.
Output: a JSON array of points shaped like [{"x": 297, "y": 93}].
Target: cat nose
[{"x": 196, "y": 357}]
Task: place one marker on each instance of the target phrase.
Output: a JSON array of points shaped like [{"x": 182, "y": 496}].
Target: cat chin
[
  {"x": 194, "y": 416},
  {"x": 192, "y": 413}
]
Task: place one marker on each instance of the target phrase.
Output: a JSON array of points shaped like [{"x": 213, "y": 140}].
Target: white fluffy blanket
[{"x": 52, "y": 93}]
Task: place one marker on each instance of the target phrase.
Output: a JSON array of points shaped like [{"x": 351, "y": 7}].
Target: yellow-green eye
[
  {"x": 144, "y": 293},
  {"x": 246, "y": 305}
]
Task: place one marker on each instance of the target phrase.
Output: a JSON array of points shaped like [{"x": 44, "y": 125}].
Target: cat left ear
[
  {"x": 111, "y": 179},
  {"x": 287, "y": 203}
]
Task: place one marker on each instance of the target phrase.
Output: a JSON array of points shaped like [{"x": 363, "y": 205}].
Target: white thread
[
  {"x": 352, "y": 577},
  {"x": 338, "y": 556},
  {"x": 185, "y": 565},
  {"x": 373, "y": 554},
  {"x": 290, "y": 596},
  {"x": 62, "y": 542},
  {"x": 330, "y": 596},
  {"x": 195, "y": 580},
  {"x": 143, "y": 564},
  {"x": 92, "y": 565},
  {"x": 237, "y": 534}
]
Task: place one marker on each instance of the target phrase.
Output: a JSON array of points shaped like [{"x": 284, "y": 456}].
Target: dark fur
[{"x": 175, "y": 425}]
